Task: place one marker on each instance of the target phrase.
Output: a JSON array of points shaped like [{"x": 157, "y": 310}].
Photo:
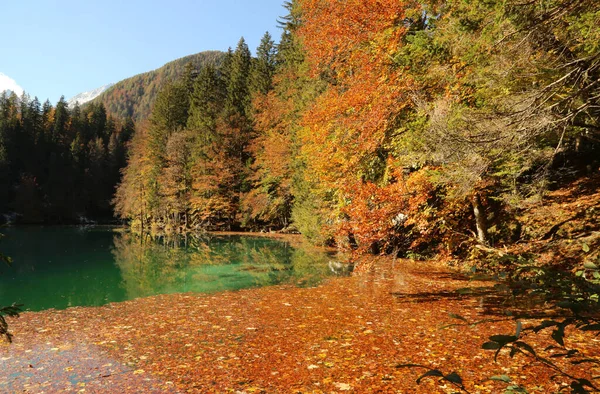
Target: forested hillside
[
  {"x": 381, "y": 126},
  {"x": 134, "y": 97},
  {"x": 58, "y": 165},
  {"x": 192, "y": 165}
]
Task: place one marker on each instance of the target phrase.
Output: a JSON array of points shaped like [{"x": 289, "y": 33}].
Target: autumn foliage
[{"x": 384, "y": 126}]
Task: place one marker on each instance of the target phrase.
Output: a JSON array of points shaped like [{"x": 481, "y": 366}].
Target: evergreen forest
[{"x": 58, "y": 165}]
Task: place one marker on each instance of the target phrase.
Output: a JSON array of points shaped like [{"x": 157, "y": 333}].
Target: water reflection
[
  {"x": 60, "y": 267},
  {"x": 208, "y": 263}
]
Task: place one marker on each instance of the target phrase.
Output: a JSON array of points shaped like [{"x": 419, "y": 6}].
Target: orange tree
[{"x": 347, "y": 132}]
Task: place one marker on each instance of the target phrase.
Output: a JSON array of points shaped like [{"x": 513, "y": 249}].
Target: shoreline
[{"x": 346, "y": 334}]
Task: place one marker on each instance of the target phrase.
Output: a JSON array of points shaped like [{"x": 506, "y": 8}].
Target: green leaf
[
  {"x": 501, "y": 378},
  {"x": 503, "y": 339},
  {"x": 574, "y": 306},
  {"x": 591, "y": 327},
  {"x": 455, "y": 316},
  {"x": 6, "y": 259},
  {"x": 490, "y": 346},
  {"x": 525, "y": 346},
  {"x": 586, "y": 248},
  {"x": 515, "y": 389},
  {"x": 454, "y": 378},
  {"x": 545, "y": 324},
  {"x": 590, "y": 266},
  {"x": 579, "y": 386},
  {"x": 433, "y": 372},
  {"x": 12, "y": 310},
  {"x": 558, "y": 336},
  {"x": 584, "y": 361}
]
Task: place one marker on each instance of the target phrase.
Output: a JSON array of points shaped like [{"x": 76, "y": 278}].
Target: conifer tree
[
  {"x": 61, "y": 119},
  {"x": 97, "y": 121},
  {"x": 54, "y": 163},
  {"x": 170, "y": 111},
  {"x": 35, "y": 119},
  {"x": 237, "y": 101},
  {"x": 225, "y": 69},
  {"x": 127, "y": 131},
  {"x": 206, "y": 103},
  {"x": 264, "y": 66},
  {"x": 47, "y": 119}
]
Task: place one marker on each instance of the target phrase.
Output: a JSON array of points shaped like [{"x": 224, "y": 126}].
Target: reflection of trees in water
[
  {"x": 207, "y": 263},
  {"x": 147, "y": 266},
  {"x": 312, "y": 265},
  {"x": 303, "y": 266}
]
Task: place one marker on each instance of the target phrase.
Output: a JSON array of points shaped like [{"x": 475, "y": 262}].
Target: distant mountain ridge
[
  {"x": 133, "y": 97},
  {"x": 84, "y": 97}
]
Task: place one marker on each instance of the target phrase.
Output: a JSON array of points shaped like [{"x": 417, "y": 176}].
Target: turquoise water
[{"x": 59, "y": 267}]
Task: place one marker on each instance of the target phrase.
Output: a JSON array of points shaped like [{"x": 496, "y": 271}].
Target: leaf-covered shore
[{"x": 347, "y": 335}]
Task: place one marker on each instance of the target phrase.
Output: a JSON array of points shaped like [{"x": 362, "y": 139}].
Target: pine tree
[
  {"x": 187, "y": 79},
  {"x": 170, "y": 111},
  {"x": 237, "y": 101},
  {"x": 47, "y": 119},
  {"x": 264, "y": 66},
  {"x": 36, "y": 121},
  {"x": 61, "y": 120},
  {"x": 97, "y": 122},
  {"x": 225, "y": 69},
  {"x": 127, "y": 131},
  {"x": 206, "y": 104}
]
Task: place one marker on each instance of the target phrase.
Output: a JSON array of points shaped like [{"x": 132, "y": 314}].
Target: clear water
[{"x": 60, "y": 267}]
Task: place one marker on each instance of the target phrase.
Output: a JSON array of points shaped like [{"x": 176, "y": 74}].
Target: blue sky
[{"x": 64, "y": 47}]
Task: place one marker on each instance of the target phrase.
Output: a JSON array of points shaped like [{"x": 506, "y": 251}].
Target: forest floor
[{"x": 346, "y": 335}]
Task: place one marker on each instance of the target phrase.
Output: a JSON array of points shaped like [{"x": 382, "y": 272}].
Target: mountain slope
[
  {"x": 84, "y": 97},
  {"x": 133, "y": 97}
]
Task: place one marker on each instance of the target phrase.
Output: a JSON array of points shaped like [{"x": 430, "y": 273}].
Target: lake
[{"x": 60, "y": 267}]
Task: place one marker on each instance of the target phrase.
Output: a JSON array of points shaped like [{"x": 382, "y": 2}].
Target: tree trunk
[{"x": 480, "y": 219}]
